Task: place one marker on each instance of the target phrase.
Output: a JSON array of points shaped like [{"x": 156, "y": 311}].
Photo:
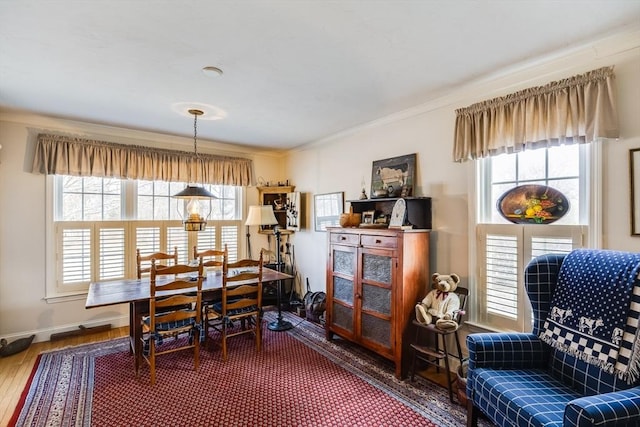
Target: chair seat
[
  {"x": 529, "y": 397},
  {"x": 215, "y": 311},
  {"x": 169, "y": 329}
]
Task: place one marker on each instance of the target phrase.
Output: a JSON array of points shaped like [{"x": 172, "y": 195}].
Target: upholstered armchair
[{"x": 580, "y": 366}]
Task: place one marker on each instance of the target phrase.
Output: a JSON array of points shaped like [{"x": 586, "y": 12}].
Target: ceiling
[{"x": 293, "y": 71}]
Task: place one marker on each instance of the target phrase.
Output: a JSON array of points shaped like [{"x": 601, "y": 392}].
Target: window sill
[{"x": 66, "y": 297}]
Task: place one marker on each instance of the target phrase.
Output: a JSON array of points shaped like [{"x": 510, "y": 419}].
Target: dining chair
[
  {"x": 167, "y": 318},
  {"x": 156, "y": 256},
  {"x": 211, "y": 257},
  {"x": 241, "y": 301}
]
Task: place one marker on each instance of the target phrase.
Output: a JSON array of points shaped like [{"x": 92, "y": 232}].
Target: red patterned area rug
[{"x": 299, "y": 379}]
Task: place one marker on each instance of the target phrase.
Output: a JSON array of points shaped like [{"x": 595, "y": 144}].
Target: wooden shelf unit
[
  {"x": 418, "y": 209},
  {"x": 273, "y": 195}
]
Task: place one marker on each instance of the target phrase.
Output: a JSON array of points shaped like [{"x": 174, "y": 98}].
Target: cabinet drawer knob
[
  {"x": 343, "y": 238},
  {"x": 378, "y": 241}
]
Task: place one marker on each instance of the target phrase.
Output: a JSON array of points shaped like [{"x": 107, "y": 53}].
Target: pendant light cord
[{"x": 195, "y": 134}]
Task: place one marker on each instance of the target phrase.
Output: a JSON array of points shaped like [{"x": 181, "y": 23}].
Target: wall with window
[
  {"x": 340, "y": 163},
  {"x": 428, "y": 131},
  {"x": 25, "y": 209}
]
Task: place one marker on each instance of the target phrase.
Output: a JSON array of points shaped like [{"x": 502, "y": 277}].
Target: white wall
[
  {"x": 340, "y": 163},
  {"x": 23, "y": 310}
]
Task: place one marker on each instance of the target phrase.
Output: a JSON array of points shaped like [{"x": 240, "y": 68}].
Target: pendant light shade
[{"x": 194, "y": 192}]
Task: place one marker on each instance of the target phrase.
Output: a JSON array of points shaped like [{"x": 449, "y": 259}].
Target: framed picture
[
  {"x": 634, "y": 171},
  {"x": 368, "y": 217},
  {"x": 327, "y": 209},
  {"x": 393, "y": 177}
]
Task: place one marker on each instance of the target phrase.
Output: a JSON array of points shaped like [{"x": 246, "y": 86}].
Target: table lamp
[{"x": 264, "y": 215}]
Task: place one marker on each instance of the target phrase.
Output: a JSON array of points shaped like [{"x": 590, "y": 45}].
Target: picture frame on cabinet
[
  {"x": 634, "y": 174},
  {"x": 393, "y": 177},
  {"x": 368, "y": 217}
]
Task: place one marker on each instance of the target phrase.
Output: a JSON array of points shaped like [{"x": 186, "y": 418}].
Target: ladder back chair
[
  {"x": 241, "y": 300},
  {"x": 167, "y": 317},
  {"x": 211, "y": 257},
  {"x": 157, "y": 256},
  {"x": 426, "y": 346}
]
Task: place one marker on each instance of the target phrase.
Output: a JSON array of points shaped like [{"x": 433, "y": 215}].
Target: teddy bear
[{"x": 441, "y": 303}]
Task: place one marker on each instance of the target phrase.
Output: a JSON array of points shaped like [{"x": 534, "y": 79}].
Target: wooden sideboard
[{"x": 374, "y": 279}]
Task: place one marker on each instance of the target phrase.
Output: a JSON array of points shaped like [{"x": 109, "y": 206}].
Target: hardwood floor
[{"x": 15, "y": 370}]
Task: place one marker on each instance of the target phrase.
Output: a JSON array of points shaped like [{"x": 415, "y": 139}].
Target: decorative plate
[{"x": 533, "y": 204}]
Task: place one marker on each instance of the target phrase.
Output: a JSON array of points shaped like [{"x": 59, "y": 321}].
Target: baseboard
[{"x": 45, "y": 334}]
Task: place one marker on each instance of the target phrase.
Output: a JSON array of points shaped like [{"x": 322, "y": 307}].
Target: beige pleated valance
[
  {"x": 575, "y": 110},
  {"x": 63, "y": 155}
]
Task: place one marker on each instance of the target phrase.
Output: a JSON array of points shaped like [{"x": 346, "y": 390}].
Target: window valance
[
  {"x": 579, "y": 109},
  {"x": 63, "y": 155}
]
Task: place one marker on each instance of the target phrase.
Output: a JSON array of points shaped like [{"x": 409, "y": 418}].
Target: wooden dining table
[{"x": 136, "y": 293}]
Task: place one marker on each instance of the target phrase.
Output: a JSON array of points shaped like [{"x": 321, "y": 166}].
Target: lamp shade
[
  {"x": 194, "y": 192},
  {"x": 261, "y": 215}
]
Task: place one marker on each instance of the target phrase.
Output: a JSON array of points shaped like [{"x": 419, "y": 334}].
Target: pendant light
[{"x": 192, "y": 218}]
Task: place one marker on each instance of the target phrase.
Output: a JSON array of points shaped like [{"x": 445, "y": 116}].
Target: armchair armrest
[
  {"x": 619, "y": 408},
  {"x": 506, "y": 351}
]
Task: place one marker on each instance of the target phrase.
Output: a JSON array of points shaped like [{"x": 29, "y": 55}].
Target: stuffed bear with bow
[{"x": 441, "y": 303}]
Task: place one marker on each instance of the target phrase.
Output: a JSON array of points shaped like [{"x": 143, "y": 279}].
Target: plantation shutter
[
  {"x": 112, "y": 262},
  {"x": 229, "y": 237},
  {"x": 147, "y": 239},
  {"x": 503, "y": 253},
  {"x": 177, "y": 237},
  {"x": 207, "y": 239},
  {"x": 74, "y": 254},
  {"x": 501, "y": 279}
]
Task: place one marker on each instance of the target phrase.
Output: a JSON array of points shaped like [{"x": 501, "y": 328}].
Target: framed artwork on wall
[
  {"x": 393, "y": 177},
  {"x": 327, "y": 209},
  {"x": 634, "y": 173}
]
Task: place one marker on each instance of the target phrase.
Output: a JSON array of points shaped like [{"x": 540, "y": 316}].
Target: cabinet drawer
[
  {"x": 378, "y": 241},
  {"x": 345, "y": 238}
]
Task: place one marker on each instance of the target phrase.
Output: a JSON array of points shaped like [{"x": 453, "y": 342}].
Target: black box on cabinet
[{"x": 418, "y": 209}]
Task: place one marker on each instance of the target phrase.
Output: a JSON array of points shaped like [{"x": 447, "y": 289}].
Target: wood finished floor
[{"x": 15, "y": 370}]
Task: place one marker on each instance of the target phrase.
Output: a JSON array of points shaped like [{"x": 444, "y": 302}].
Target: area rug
[{"x": 299, "y": 379}]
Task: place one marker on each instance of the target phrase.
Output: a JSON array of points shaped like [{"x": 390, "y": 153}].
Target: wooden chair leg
[
  {"x": 196, "y": 349},
  {"x": 447, "y": 369},
  {"x": 224, "y": 340},
  {"x": 152, "y": 360},
  {"x": 472, "y": 414},
  {"x": 258, "y": 327}
]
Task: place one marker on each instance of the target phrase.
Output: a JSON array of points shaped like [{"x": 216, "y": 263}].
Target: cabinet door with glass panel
[{"x": 341, "y": 289}]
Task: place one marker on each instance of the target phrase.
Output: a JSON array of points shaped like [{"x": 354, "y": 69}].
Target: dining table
[{"x": 137, "y": 293}]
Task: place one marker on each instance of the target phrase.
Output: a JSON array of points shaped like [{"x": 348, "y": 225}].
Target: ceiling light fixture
[
  {"x": 192, "y": 218},
  {"x": 212, "y": 71}
]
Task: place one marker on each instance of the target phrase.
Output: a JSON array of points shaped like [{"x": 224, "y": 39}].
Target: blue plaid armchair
[{"x": 580, "y": 364}]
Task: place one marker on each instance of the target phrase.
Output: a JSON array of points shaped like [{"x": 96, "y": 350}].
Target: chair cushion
[
  {"x": 217, "y": 307},
  {"x": 167, "y": 327},
  {"x": 529, "y": 397}
]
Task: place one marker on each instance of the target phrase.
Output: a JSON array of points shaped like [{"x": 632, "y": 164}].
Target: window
[
  {"x": 98, "y": 223},
  {"x": 504, "y": 249}
]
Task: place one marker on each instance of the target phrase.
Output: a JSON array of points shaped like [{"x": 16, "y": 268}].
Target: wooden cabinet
[
  {"x": 374, "y": 279},
  {"x": 286, "y": 207}
]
